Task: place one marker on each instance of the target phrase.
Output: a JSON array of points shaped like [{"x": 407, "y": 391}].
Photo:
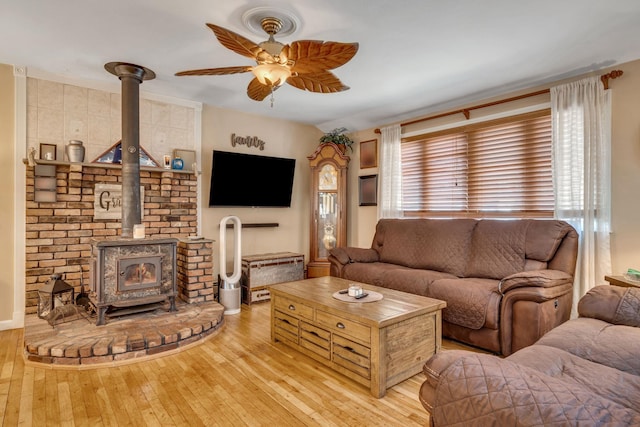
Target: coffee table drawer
[
  {"x": 352, "y": 356},
  {"x": 344, "y": 326},
  {"x": 293, "y": 308},
  {"x": 315, "y": 339},
  {"x": 285, "y": 327}
]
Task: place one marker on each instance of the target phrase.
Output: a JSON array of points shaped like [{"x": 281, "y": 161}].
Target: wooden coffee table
[{"x": 377, "y": 344}]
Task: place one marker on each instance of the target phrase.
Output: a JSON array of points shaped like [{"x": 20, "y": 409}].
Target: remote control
[
  {"x": 361, "y": 295},
  {"x": 343, "y": 291}
]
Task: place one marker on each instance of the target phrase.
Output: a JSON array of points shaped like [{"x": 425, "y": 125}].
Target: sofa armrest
[
  {"x": 347, "y": 255},
  {"x": 432, "y": 370},
  {"x": 534, "y": 278},
  {"x": 533, "y": 303},
  {"x": 339, "y": 257},
  {"x": 613, "y": 304}
]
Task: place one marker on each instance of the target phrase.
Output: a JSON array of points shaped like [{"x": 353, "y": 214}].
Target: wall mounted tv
[{"x": 248, "y": 180}]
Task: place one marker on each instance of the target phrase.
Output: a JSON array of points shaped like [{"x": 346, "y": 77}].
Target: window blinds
[{"x": 494, "y": 169}]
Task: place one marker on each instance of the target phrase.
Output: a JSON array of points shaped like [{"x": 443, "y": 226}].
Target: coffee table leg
[{"x": 378, "y": 367}]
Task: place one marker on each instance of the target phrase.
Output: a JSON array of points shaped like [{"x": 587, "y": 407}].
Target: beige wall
[
  {"x": 625, "y": 166},
  {"x": 283, "y": 139},
  {"x": 58, "y": 112},
  {"x": 7, "y": 171},
  {"x": 625, "y": 238},
  {"x": 287, "y": 139}
]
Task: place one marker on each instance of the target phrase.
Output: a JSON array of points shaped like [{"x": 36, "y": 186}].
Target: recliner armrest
[
  {"x": 432, "y": 370},
  {"x": 534, "y": 278},
  {"x": 613, "y": 304},
  {"x": 439, "y": 362}
]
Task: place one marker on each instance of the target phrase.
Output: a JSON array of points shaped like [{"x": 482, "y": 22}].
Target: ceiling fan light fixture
[
  {"x": 272, "y": 47},
  {"x": 303, "y": 64},
  {"x": 271, "y": 74}
]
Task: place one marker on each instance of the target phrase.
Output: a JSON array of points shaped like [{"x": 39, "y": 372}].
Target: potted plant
[{"x": 338, "y": 137}]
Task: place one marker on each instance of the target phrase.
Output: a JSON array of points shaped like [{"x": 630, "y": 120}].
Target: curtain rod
[{"x": 467, "y": 111}]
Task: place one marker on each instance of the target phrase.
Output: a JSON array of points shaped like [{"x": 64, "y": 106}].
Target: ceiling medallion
[{"x": 252, "y": 20}]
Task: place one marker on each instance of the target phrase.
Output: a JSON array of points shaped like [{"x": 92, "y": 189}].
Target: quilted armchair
[{"x": 584, "y": 372}]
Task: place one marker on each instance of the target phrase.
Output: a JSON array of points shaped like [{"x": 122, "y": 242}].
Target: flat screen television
[{"x": 247, "y": 180}]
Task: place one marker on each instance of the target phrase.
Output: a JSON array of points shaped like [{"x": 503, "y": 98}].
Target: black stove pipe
[{"x": 131, "y": 76}]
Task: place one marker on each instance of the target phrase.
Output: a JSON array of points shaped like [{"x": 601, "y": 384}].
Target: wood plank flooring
[{"x": 235, "y": 377}]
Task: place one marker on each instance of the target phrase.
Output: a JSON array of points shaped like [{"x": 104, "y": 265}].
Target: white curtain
[
  {"x": 581, "y": 114},
  {"x": 390, "y": 174}
]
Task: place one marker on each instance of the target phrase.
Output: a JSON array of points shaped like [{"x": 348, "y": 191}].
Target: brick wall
[{"x": 58, "y": 234}]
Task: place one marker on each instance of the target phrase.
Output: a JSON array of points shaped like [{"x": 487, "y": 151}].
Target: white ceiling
[{"x": 415, "y": 56}]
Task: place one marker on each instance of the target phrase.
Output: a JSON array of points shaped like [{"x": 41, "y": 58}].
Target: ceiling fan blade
[
  {"x": 257, "y": 91},
  {"x": 215, "y": 71},
  {"x": 311, "y": 56},
  {"x": 235, "y": 42},
  {"x": 321, "y": 82}
]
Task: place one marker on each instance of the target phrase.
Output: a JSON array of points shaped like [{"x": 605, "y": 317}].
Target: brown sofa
[
  {"x": 584, "y": 372},
  {"x": 506, "y": 282}
]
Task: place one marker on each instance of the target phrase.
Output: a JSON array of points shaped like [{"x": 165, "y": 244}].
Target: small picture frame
[
  {"x": 48, "y": 151},
  {"x": 166, "y": 161},
  {"x": 368, "y": 190},
  {"x": 369, "y": 154}
]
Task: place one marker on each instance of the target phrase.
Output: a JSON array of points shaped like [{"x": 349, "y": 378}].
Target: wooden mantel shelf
[{"x": 107, "y": 166}]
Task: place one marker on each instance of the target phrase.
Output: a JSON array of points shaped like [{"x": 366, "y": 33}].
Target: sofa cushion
[
  {"x": 429, "y": 244},
  {"x": 601, "y": 342},
  {"x": 412, "y": 280},
  {"x": 618, "y": 386},
  {"x": 497, "y": 249},
  {"x": 368, "y": 272},
  {"x": 468, "y": 301}
]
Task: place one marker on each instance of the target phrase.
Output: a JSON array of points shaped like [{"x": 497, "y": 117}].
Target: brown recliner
[{"x": 584, "y": 372}]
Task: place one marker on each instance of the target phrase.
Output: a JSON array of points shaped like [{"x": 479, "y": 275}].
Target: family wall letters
[{"x": 249, "y": 141}]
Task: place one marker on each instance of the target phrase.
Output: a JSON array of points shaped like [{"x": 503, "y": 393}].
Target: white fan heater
[{"x": 229, "y": 289}]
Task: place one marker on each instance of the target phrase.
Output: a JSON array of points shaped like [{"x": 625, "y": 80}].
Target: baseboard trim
[{"x": 15, "y": 323}]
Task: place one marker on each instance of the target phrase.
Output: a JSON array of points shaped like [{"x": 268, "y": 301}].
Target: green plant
[{"x": 338, "y": 137}]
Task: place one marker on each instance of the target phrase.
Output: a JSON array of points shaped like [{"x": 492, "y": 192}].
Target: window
[{"x": 497, "y": 169}]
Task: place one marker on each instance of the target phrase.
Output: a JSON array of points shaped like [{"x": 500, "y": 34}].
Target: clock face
[{"x": 328, "y": 178}]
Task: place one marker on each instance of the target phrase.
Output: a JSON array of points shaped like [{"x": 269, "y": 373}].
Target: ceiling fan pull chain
[{"x": 272, "y": 98}]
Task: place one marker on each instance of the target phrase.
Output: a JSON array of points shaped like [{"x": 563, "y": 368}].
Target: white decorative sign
[{"x": 107, "y": 203}]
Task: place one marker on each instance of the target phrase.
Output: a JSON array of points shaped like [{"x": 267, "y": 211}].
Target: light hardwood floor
[{"x": 235, "y": 377}]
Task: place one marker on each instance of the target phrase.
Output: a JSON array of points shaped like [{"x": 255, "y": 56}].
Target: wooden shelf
[
  {"x": 108, "y": 166},
  {"x": 257, "y": 225}
]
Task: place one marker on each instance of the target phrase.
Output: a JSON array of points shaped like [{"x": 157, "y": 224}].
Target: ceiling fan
[{"x": 304, "y": 64}]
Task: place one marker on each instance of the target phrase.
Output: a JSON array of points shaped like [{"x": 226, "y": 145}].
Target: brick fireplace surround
[{"x": 59, "y": 236}]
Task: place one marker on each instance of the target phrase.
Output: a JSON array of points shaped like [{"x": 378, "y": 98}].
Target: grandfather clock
[{"x": 328, "y": 205}]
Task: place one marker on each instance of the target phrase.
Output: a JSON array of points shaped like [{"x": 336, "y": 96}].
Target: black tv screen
[{"x": 248, "y": 180}]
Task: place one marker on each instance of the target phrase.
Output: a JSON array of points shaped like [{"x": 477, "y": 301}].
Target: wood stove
[{"x": 132, "y": 275}]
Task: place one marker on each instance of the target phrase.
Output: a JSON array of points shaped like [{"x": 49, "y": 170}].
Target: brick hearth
[
  {"x": 81, "y": 342},
  {"x": 58, "y": 241}
]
